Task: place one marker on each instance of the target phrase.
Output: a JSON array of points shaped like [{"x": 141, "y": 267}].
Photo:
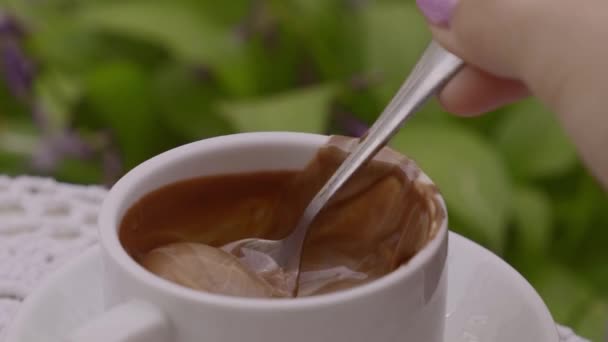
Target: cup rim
[{"x": 112, "y": 248}]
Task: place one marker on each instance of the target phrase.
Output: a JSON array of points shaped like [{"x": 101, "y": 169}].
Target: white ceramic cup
[{"x": 405, "y": 305}]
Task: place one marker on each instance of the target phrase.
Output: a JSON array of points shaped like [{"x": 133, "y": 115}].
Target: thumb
[{"x": 554, "y": 47}]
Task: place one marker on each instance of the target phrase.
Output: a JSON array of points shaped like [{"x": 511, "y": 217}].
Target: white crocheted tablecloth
[{"x": 43, "y": 223}]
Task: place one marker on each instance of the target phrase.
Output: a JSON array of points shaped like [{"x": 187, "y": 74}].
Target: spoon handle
[{"x": 435, "y": 67}]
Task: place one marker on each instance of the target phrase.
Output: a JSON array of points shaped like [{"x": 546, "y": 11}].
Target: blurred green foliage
[{"x": 115, "y": 82}]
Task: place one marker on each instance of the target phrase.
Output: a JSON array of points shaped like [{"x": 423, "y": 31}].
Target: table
[{"x": 44, "y": 223}]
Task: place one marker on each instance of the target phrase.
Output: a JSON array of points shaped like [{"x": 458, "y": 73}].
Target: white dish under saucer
[{"x": 487, "y": 300}]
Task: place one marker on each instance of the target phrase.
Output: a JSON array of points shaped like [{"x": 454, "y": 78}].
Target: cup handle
[{"x": 133, "y": 321}]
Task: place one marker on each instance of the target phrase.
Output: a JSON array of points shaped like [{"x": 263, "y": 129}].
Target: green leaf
[
  {"x": 594, "y": 322},
  {"x": 237, "y": 75},
  {"x": 579, "y": 212},
  {"x": 79, "y": 171},
  {"x": 329, "y": 30},
  {"x": 183, "y": 31},
  {"x": 261, "y": 68},
  {"x": 62, "y": 43},
  {"x": 9, "y": 104},
  {"x": 185, "y": 104},
  {"x": 395, "y": 36},
  {"x": 533, "y": 220},
  {"x": 57, "y": 94},
  {"x": 13, "y": 164},
  {"x": 302, "y": 110},
  {"x": 565, "y": 294},
  {"x": 470, "y": 174},
  {"x": 26, "y": 12},
  {"x": 18, "y": 136},
  {"x": 120, "y": 93},
  {"x": 594, "y": 271},
  {"x": 534, "y": 143},
  {"x": 226, "y": 13},
  {"x": 18, "y": 143}
]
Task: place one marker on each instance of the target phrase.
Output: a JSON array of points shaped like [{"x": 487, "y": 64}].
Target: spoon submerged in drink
[{"x": 282, "y": 258}]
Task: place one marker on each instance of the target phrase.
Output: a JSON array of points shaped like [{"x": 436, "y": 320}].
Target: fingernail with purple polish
[{"x": 438, "y": 12}]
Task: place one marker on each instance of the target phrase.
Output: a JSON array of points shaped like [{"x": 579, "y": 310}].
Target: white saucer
[{"x": 487, "y": 300}]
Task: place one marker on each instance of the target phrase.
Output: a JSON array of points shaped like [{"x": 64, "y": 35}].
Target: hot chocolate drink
[{"x": 377, "y": 222}]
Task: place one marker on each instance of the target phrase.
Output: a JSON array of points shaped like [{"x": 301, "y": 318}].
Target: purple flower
[
  {"x": 10, "y": 27},
  {"x": 15, "y": 66},
  {"x": 71, "y": 144},
  {"x": 112, "y": 166},
  {"x": 17, "y": 69},
  {"x": 45, "y": 159},
  {"x": 39, "y": 116},
  {"x": 57, "y": 147}
]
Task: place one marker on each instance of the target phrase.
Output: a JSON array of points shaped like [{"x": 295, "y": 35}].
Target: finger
[
  {"x": 526, "y": 39},
  {"x": 473, "y": 92},
  {"x": 549, "y": 45}
]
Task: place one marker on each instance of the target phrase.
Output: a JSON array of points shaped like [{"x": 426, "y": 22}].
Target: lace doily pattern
[{"x": 43, "y": 223}]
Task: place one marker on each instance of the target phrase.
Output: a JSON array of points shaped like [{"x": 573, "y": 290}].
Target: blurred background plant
[{"x": 92, "y": 88}]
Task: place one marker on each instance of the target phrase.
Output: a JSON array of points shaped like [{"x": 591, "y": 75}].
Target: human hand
[{"x": 552, "y": 49}]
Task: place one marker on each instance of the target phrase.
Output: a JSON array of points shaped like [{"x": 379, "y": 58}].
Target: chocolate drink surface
[{"x": 377, "y": 222}]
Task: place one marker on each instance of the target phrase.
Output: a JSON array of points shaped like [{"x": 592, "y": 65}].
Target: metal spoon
[{"x": 432, "y": 71}]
